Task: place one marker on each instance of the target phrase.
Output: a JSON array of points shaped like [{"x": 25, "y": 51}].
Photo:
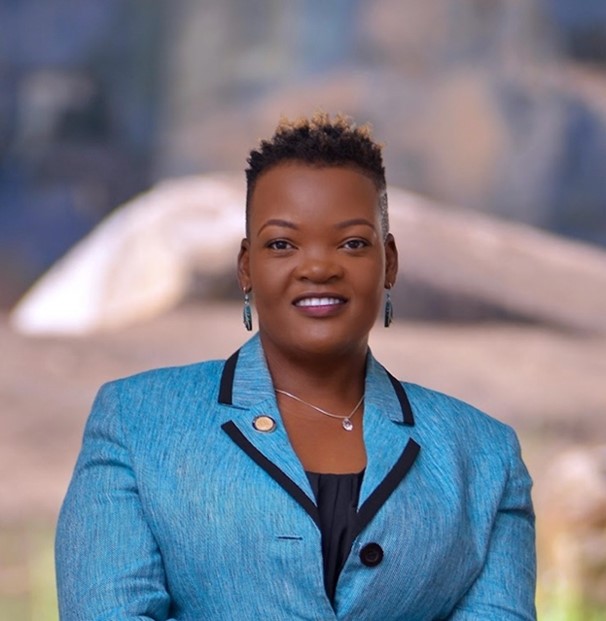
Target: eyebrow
[
  {"x": 277, "y": 222},
  {"x": 353, "y": 222},
  {"x": 340, "y": 225}
]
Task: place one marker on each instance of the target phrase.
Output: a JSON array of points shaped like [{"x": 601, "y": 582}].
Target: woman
[{"x": 298, "y": 479}]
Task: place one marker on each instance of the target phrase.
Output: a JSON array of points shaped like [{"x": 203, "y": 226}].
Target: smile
[{"x": 319, "y": 302}]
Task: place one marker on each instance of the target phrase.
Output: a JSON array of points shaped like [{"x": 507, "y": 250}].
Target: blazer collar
[{"x": 245, "y": 381}]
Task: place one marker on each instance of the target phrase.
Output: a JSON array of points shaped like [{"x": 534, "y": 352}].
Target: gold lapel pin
[{"x": 264, "y": 423}]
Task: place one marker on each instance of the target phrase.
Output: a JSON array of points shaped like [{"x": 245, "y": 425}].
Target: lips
[
  {"x": 320, "y": 305},
  {"x": 311, "y": 302}
]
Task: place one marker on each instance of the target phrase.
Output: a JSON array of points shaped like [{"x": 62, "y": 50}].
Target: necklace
[{"x": 345, "y": 420}]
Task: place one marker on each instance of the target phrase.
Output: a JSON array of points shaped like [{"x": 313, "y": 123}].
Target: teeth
[{"x": 319, "y": 302}]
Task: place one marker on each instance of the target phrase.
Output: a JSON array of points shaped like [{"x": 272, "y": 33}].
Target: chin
[
  {"x": 332, "y": 347},
  {"x": 321, "y": 339}
]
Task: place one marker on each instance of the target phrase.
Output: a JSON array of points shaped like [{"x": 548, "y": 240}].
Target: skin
[{"x": 315, "y": 234}]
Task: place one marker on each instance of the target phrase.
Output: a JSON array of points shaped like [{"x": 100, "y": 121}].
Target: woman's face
[{"x": 315, "y": 259}]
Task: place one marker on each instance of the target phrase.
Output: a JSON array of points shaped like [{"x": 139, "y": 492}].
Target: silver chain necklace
[{"x": 345, "y": 420}]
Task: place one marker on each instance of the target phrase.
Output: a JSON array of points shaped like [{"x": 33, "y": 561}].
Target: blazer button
[{"x": 371, "y": 554}]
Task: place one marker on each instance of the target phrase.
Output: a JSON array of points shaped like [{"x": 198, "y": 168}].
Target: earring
[
  {"x": 247, "y": 313},
  {"x": 388, "y": 315}
]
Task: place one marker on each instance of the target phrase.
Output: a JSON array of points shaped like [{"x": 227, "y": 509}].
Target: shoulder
[
  {"x": 477, "y": 448},
  {"x": 448, "y": 416},
  {"x": 159, "y": 394},
  {"x": 199, "y": 376}
]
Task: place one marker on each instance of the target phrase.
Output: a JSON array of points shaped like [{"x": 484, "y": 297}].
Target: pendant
[{"x": 347, "y": 424}]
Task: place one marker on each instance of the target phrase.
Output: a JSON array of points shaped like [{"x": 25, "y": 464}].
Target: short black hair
[{"x": 321, "y": 142}]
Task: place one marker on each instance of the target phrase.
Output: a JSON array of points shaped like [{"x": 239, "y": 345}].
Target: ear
[
  {"x": 244, "y": 265},
  {"x": 391, "y": 261}
]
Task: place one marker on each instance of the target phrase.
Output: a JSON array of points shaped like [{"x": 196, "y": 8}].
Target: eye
[
  {"x": 279, "y": 244},
  {"x": 355, "y": 244}
]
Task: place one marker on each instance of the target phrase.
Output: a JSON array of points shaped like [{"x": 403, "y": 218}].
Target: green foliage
[
  {"x": 27, "y": 584},
  {"x": 567, "y": 606}
]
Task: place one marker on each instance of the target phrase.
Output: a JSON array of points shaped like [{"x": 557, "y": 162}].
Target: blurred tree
[{"x": 78, "y": 97}]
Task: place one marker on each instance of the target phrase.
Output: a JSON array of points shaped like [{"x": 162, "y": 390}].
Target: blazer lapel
[
  {"x": 246, "y": 388},
  {"x": 390, "y": 449}
]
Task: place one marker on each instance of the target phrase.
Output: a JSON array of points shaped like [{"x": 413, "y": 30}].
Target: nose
[{"x": 319, "y": 267}]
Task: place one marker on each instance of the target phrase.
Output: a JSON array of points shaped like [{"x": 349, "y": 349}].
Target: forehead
[{"x": 310, "y": 190}]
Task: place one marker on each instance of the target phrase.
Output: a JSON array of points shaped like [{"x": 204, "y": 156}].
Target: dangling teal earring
[
  {"x": 247, "y": 312},
  {"x": 388, "y": 316}
]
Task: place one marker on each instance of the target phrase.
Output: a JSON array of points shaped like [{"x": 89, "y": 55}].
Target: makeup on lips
[{"x": 319, "y": 305}]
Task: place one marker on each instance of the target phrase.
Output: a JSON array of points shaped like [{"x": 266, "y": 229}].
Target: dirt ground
[{"x": 550, "y": 385}]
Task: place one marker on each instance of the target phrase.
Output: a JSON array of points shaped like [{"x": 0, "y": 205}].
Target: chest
[
  {"x": 215, "y": 512},
  {"x": 324, "y": 445}
]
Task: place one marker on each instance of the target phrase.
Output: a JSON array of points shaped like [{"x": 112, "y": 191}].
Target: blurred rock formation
[{"x": 143, "y": 259}]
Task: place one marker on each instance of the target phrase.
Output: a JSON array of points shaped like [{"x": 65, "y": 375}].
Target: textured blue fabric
[{"x": 166, "y": 518}]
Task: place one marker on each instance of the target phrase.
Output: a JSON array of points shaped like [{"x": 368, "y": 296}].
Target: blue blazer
[{"x": 180, "y": 509}]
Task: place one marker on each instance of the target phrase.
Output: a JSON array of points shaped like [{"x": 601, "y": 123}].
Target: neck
[{"x": 335, "y": 377}]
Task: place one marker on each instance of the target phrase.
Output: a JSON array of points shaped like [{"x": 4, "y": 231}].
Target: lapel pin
[{"x": 264, "y": 423}]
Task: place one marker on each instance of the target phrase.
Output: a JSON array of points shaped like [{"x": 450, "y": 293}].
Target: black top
[{"x": 337, "y": 500}]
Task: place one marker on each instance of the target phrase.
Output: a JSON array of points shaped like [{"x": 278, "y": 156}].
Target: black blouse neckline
[{"x": 337, "y": 500}]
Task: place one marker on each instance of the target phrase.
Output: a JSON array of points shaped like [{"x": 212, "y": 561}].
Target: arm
[
  {"x": 505, "y": 588},
  {"x": 108, "y": 563}
]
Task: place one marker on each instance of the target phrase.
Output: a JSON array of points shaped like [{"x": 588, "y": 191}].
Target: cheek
[
  {"x": 261, "y": 274},
  {"x": 370, "y": 296},
  {"x": 268, "y": 283},
  {"x": 372, "y": 278}
]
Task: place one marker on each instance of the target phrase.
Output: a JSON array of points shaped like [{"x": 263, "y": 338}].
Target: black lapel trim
[
  {"x": 274, "y": 472},
  {"x": 407, "y": 415},
  {"x": 376, "y": 500},
  {"x": 227, "y": 379}
]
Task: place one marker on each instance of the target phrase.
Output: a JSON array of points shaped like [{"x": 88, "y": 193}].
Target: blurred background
[{"x": 124, "y": 130}]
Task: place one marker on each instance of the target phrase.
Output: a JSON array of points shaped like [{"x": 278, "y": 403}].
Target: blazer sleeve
[
  {"x": 505, "y": 588},
  {"x": 107, "y": 561}
]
